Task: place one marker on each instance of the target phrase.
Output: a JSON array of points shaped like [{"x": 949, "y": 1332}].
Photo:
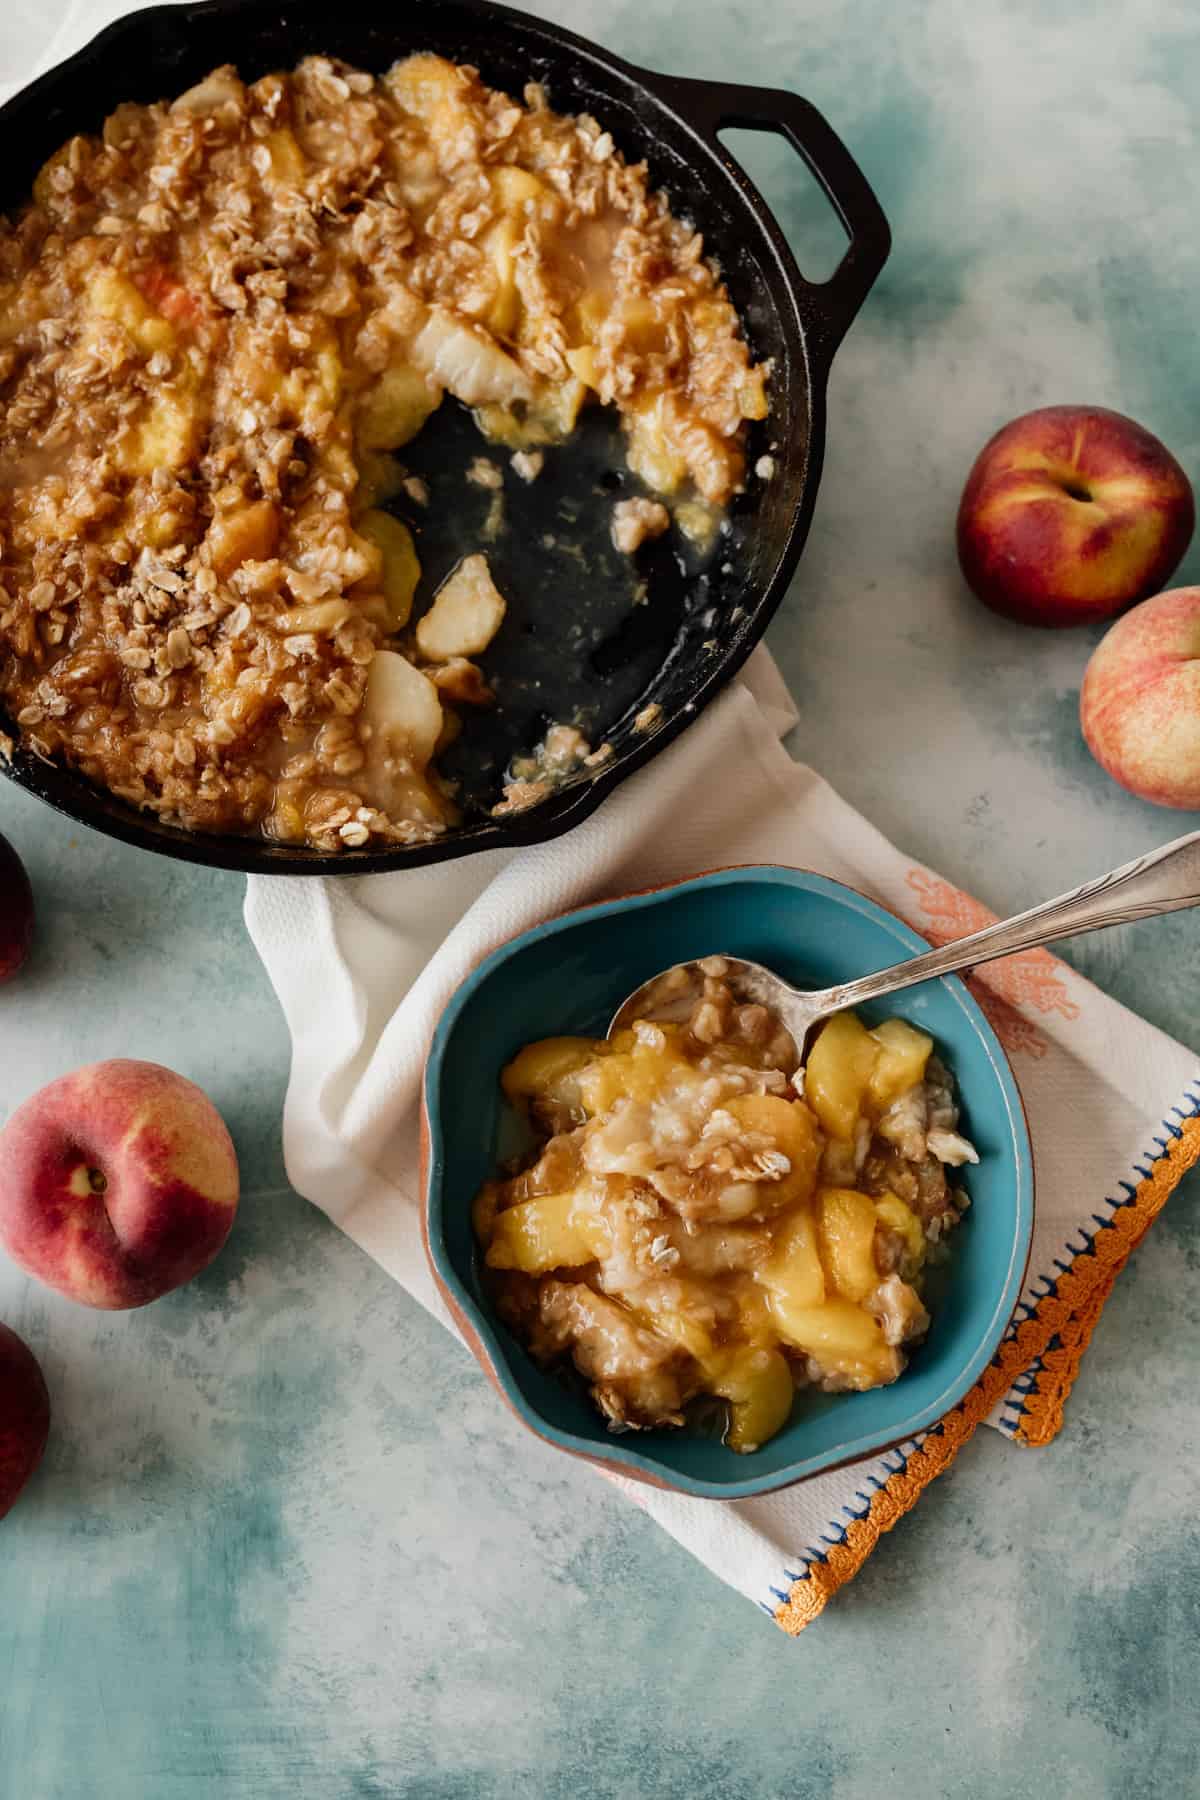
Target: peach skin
[
  {"x": 1071, "y": 514},
  {"x": 24, "y": 1416},
  {"x": 1140, "y": 702},
  {"x": 16, "y": 911},
  {"x": 118, "y": 1183}
]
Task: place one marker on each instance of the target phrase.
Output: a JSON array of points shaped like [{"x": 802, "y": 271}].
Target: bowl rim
[
  {"x": 483, "y": 1332},
  {"x": 70, "y": 793}
]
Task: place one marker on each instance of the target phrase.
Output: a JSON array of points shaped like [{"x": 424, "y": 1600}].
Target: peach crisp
[{"x": 700, "y": 1217}]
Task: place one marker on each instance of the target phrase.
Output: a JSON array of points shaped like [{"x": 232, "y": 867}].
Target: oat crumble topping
[
  {"x": 636, "y": 519},
  {"x": 687, "y": 1226}
]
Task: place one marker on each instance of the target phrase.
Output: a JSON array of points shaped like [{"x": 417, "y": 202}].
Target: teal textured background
[{"x": 285, "y": 1542}]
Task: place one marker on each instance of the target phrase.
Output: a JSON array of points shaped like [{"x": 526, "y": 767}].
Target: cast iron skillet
[{"x": 575, "y": 645}]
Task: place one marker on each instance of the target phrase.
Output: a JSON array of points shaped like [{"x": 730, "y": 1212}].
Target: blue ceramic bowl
[{"x": 568, "y": 976}]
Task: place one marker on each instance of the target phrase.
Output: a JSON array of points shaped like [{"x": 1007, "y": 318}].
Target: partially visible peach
[
  {"x": 1071, "y": 514},
  {"x": 1140, "y": 702},
  {"x": 16, "y": 911},
  {"x": 117, "y": 1183},
  {"x": 24, "y": 1416}
]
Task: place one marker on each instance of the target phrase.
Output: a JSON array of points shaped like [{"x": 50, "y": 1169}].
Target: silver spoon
[{"x": 1163, "y": 881}]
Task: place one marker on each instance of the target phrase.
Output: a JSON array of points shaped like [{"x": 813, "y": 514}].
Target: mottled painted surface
[{"x": 285, "y": 1541}]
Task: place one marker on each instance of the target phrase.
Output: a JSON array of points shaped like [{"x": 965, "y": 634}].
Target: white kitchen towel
[
  {"x": 363, "y": 968},
  {"x": 35, "y": 37}
]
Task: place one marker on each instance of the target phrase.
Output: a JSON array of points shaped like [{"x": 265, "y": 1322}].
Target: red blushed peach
[
  {"x": 117, "y": 1183},
  {"x": 1071, "y": 514},
  {"x": 1140, "y": 702},
  {"x": 16, "y": 911},
  {"x": 24, "y": 1416}
]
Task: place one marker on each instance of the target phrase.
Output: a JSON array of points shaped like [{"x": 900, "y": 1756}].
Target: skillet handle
[{"x": 715, "y": 106}]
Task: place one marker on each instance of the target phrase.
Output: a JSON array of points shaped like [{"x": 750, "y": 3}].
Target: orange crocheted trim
[
  {"x": 1112, "y": 1247},
  {"x": 1057, "y": 1332}
]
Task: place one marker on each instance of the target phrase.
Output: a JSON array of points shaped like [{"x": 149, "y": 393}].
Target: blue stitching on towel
[{"x": 1128, "y": 1191}]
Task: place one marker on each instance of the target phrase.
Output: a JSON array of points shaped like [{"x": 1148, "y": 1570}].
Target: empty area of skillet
[{"x": 589, "y": 629}]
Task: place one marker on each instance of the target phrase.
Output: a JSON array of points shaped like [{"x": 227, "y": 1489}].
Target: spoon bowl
[{"x": 1162, "y": 881}]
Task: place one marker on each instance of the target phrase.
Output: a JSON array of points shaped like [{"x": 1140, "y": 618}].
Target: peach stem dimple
[{"x": 85, "y": 1181}]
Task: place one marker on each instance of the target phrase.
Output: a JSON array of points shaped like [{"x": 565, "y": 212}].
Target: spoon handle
[{"x": 1163, "y": 881}]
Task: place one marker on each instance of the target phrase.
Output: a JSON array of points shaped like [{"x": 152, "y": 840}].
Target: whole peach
[
  {"x": 1070, "y": 514},
  {"x": 118, "y": 1183},
  {"x": 16, "y": 911},
  {"x": 1140, "y": 702},
  {"x": 24, "y": 1416}
]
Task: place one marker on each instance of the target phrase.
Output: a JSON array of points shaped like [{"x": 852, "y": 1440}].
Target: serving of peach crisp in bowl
[
  {"x": 404, "y": 430},
  {"x": 681, "y": 1253}
]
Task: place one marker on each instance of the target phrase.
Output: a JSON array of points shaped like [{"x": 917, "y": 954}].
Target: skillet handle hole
[{"x": 794, "y": 195}]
